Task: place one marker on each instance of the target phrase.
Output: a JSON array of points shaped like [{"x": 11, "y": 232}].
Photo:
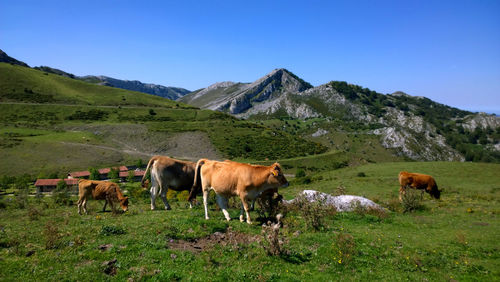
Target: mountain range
[
  {"x": 168, "y": 92},
  {"x": 413, "y": 127}
]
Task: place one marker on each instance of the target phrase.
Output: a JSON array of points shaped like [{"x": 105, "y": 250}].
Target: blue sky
[{"x": 448, "y": 51}]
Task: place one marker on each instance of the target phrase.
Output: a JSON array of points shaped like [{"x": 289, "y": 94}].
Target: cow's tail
[
  {"x": 196, "y": 180},
  {"x": 146, "y": 171}
]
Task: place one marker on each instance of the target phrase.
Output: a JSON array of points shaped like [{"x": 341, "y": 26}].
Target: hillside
[
  {"x": 414, "y": 127},
  {"x": 54, "y": 124},
  {"x": 4, "y": 58},
  {"x": 21, "y": 84}
]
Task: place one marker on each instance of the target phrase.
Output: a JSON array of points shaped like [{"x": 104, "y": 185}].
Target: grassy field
[{"x": 455, "y": 238}]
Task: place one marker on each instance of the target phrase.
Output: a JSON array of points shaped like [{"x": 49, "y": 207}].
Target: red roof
[
  {"x": 53, "y": 182},
  {"x": 136, "y": 173},
  {"x": 107, "y": 170},
  {"x": 77, "y": 174}
]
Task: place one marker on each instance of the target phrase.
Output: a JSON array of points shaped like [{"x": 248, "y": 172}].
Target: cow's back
[{"x": 175, "y": 173}]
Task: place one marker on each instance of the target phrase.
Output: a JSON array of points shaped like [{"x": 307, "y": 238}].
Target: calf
[{"x": 100, "y": 190}]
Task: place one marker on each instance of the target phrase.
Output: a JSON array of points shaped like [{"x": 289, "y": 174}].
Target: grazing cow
[
  {"x": 230, "y": 179},
  {"x": 168, "y": 173},
  {"x": 100, "y": 190},
  {"x": 419, "y": 181}
]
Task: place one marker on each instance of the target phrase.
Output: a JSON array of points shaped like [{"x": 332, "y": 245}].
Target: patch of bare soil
[
  {"x": 135, "y": 139},
  {"x": 228, "y": 238}
]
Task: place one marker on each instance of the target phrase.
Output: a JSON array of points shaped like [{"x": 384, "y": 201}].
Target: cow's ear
[{"x": 273, "y": 172}]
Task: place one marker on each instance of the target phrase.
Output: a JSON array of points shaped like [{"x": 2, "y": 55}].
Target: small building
[
  {"x": 138, "y": 174},
  {"x": 48, "y": 185},
  {"x": 103, "y": 173}
]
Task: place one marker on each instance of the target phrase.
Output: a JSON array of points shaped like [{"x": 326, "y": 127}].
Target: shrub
[
  {"x": 108, "y": 230},
  {"x": 21, "y": 198},
  {"x": 344, "y": 247},
  {"x": 34, "y": 213},
  {"x": 411, "y": 200},
  {"x": 272, "y": 241},
  {"x": 313, "y": 210},
  {"x": 61, "y": 194},
  {"x": 51, "y": 234},
  {"x": 340, "y": 190},
  {"x": 138, "y": 193},
  {"x": 300, "y": 173}
]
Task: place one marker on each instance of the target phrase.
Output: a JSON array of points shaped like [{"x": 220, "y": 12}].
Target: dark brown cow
[
  {"x": 100, "y": 190},
  {"x": 168, "y": 173},
  {"x": 418, "y": 181},
  {"x": 230, "y": 179}
]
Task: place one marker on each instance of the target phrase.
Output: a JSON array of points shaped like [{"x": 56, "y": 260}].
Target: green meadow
[{"x": 454, "y": 238}]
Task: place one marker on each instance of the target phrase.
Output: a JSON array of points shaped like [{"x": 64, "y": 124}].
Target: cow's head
[
  {"x": 124, "y": 203},
  {"x": 145, "y": 184},
  {"x": 276, "y": 176},
  {"x": 435, "y": 192}
]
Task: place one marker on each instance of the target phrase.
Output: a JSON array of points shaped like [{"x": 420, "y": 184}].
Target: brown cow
[
  {"x": 168, "y": 173},
  {"x": 100, "y": 190},
  {"x": 418, "y": 181},
  {"x": 230, "y": 179}
]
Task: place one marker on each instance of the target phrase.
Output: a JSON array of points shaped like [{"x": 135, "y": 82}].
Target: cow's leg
[
  {"x": 401, "y": 193},
  {"x": 112, "y": 206},
  {"x": 163, "y": 196},
  {"x": 79, "y": 203},
  {"x": 222, "y": 202},
  {"x": 85, "y": 206},
  {"x": 153, "y": 191},
  {"x": 205, "y": 201},
  {"x": 105, "y": 203},
  {"x": 245, "y": 206}
]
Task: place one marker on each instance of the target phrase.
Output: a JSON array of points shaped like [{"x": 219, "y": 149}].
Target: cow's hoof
[
  {"x": 168, "y": 208},
  {"x": 241, "y": 218},
  {"x": 249, "y": 222}
]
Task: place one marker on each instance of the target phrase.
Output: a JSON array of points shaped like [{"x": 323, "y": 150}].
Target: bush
[
  {"x": 300, "y": 173},
  {"x": 21, "y": 198},
  {"x": 137, "y": 193},
  {"x": 108, "y": 230},
  {"x": 313, "y": 210},
  {"x": 411, "y": 200},
  {"x": 34, "y": 213},
  {"x": 272, "y": 241},
  {"x": 61, "y": 194},
  {"x": 344, "y": 247},
  {"x": 51, "y": 233}
]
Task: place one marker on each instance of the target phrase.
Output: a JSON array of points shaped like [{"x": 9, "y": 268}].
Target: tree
[
  {"x": 131, "y": 176},
  {"x": 94, "y": 173},
  {"x": 61, "y": 194},
  {"x": 113, "y": 173}
]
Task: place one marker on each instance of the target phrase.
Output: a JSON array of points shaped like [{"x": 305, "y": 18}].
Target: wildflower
[{"x": 340, "y": 261}]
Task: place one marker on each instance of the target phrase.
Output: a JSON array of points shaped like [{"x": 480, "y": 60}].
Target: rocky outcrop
[
  {"x": 481, "y": 120},
  {"x": 238, "y": 98}
]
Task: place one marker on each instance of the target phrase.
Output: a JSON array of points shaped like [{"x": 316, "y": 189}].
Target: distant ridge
[
  {"x": 172, "y": 93},
  {"x": 4, "y": 58}
]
